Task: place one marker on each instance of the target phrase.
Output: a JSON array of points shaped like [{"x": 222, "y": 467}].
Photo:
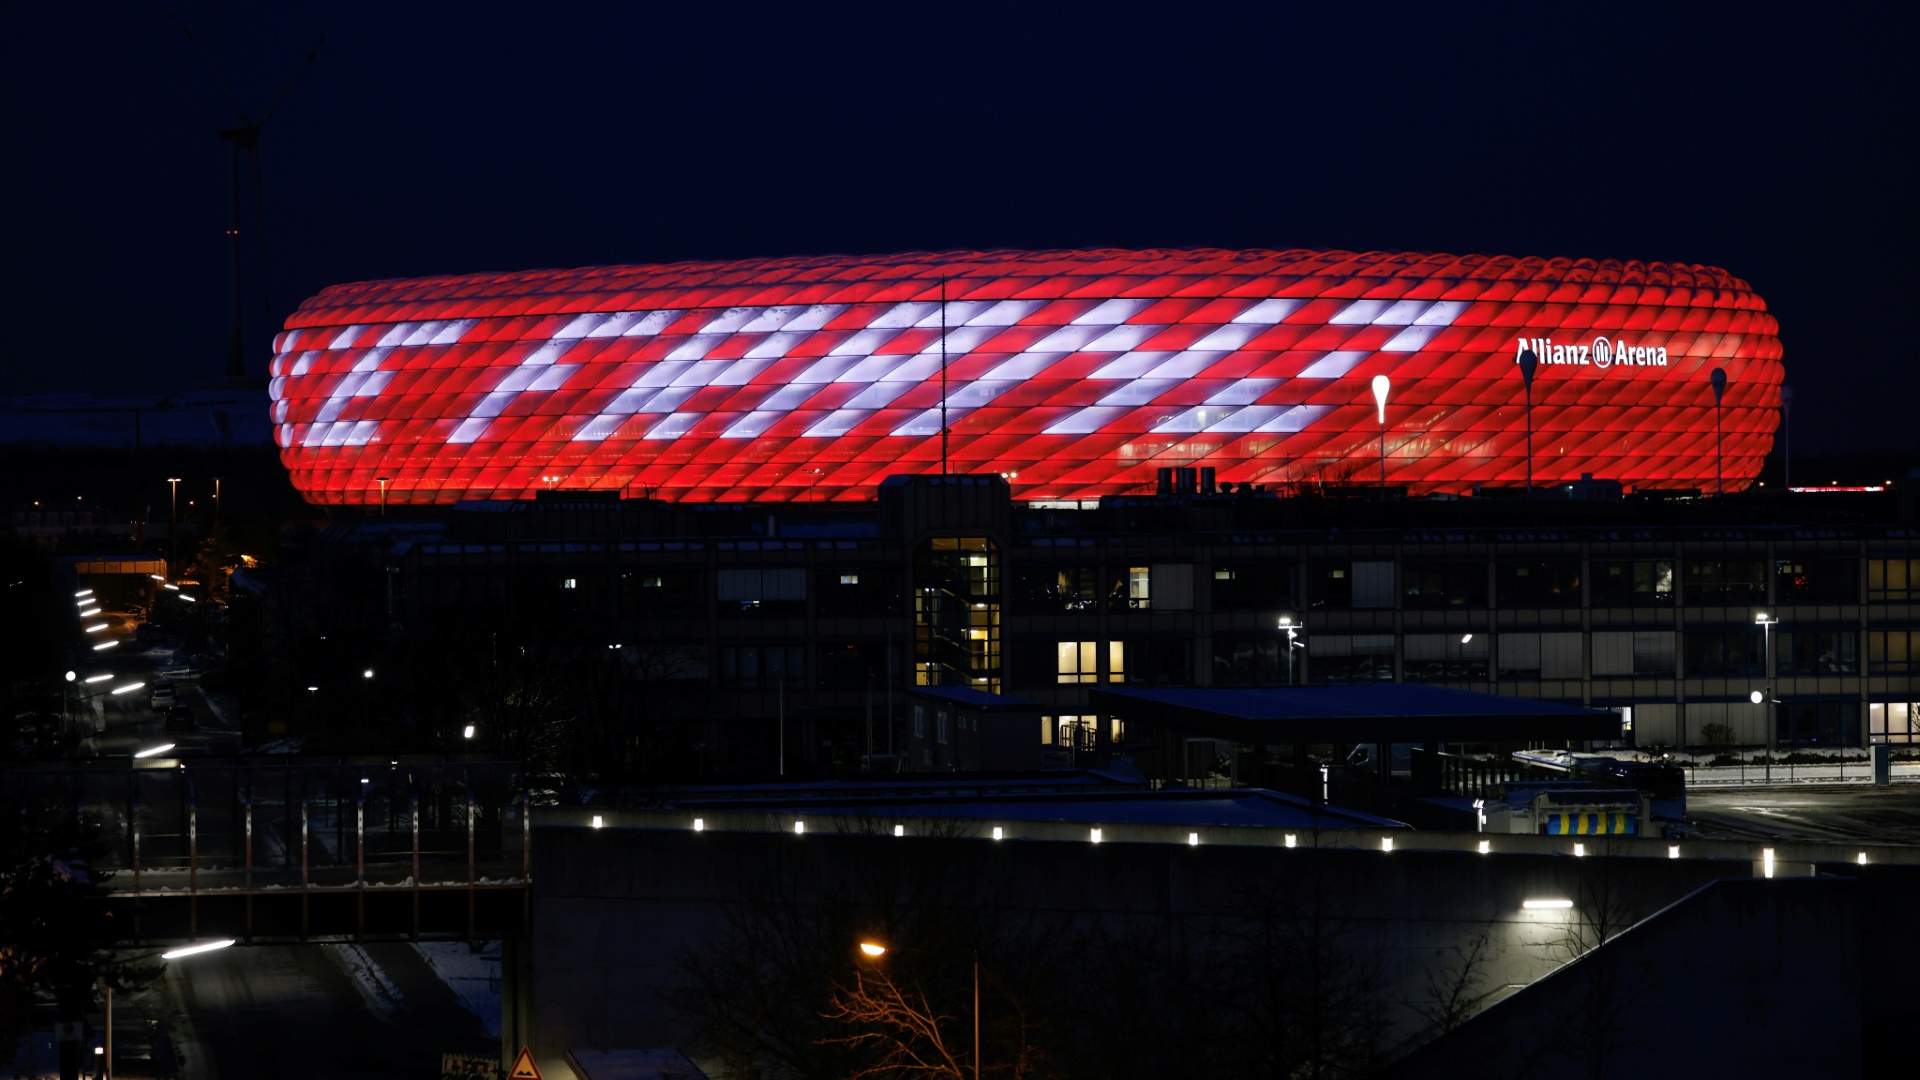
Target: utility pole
[{"x": 944, "y": 430}]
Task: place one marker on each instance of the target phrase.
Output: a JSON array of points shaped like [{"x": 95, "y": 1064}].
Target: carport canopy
[{"x": 1364, "y": 713}]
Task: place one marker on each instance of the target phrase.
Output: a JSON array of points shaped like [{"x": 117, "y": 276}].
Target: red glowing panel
[{"x": 1083, "y": 372}]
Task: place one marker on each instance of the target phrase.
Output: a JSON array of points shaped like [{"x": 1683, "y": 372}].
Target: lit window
[
  {"x": 849, "y": 579},
  {"x": 568, "y": 583},
  {"x": 1116, "y": 662},
  {"x": 1077, "y": 661}
]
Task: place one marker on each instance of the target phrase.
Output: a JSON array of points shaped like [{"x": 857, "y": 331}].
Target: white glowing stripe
[
  {"x": 1006, "y": 313},
  {"x": 361, "y": 433},
  {"x": 652, "y": 322},
  {"x": 865, "y": 342},
  {"x": 729, "y": 320},
  {"x": 1122, "y": 338},
  {"x": 814, "y": 318},
  {"x": 1185, "y": 365},
  {"x": 1068, "y": 338},
  {"x": 752, "y": 425},
  {"x": 1243, "y": 392},
  {"x": 740, "y": 372},
  {"x": 957, "y": 312},
  {"x": 1112, "y": 312},
  {"x": 371, "y": 361},
  {"x": 1130, "y": 365},
  {"x": 1269, "y": 312},
  {"x": 696, "y": 347},
  {"x": 1086, "y": 421},
  {"x": 397, "y": 333},
  {"x": 777, "y": 345},
  {"x": 1227, "y": 338},
  {"x": 1333, "y": 365},
  {"x": 424, "y": 333},
  {"x": 345, "y": 338},
  {"x": 903, "y": 315},
  {"x": 825, "y": 369},
  {"x": 1026, "y": 365},
  {"x": 1139, "y": 392},
  {"x": 837, "y": 423},
  {"x": 674, "y": 425},
  {"x": 1358, "y": 313},
  {"x": 1402, "y": 313},
  {"x": 790, "y": 396},
  {"x": 452, "y": 332},
  {"x": 1412, "y": 339},
  {"x": 468, "y": 431},
  {"x": 771, "y": 319}
]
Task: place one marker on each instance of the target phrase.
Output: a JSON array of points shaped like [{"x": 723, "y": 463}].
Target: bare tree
[{"x": 1456, "y": 988}]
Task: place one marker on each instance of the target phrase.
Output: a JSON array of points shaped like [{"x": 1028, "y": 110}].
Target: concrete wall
[
  {"x": 1756, "y": 978},
  {"x": 617, "y": 910}
]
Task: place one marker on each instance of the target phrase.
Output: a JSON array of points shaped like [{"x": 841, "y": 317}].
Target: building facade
[
  {"x": 829, "y": 616},
  {"x": 1074, "y": 374}
]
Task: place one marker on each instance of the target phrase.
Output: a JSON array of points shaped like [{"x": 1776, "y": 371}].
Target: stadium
[{"x": 1074, "y": 374}]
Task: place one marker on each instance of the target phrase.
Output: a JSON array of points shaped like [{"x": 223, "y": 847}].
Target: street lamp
[
  {"x": 1719, "y": 380},
  {"x": 173, "y": 526},
  {"x": 382, "y": 481},
  {"x": 1529, "y": 363},
  {"x": 874, "y": 950},
  {"x": 1381, "y": 384},
  {"x": 1293, "y": 642},
  {"x": 216, "y": 502},
  {"x": 1767, "y": 623}
]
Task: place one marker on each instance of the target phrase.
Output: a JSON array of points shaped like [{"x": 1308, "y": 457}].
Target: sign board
[{"x": 523, "y": 1067}]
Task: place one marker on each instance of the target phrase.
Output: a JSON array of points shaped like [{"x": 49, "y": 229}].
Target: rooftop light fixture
[
  {"x": 190, "y": 950},
  {"x": 1546, "y": 905},
  {"x": 153, "y": 751}
]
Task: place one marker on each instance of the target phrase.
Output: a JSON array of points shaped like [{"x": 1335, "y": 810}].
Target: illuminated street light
[
  {"x": 153, "y": 751},
  {"x": 876, "y": 949},
  {"x": 105, "y": 645},
  {"x": 1381, "y": 384},
  {"x": 1767, "y": 623},
  {"x": 129, "y": 688},
  {"x": 97, "y": 627},
  {"x": 191, "y": 950},
  {"x": 98, "y": 678},
  {"x": 467, "y": 732}
]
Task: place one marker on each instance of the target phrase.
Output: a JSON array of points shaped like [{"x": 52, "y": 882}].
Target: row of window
[
  {"x": 1276, "y": 585},
  {"x": 1263, "y": 659}
]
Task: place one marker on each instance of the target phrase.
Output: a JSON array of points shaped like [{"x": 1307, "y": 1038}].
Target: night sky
[{"x": 1778, "y": 142}]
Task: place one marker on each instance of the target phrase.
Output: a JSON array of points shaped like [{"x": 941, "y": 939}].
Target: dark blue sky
[{"x": 1777, "y": 143}]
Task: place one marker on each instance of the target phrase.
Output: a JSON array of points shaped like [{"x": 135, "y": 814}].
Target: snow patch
[{"x": 473, "y": 977}]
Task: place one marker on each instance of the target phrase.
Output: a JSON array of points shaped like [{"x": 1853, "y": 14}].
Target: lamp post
[
  {"x": 1767, "y": 623},
  {"x": 1293, "y": 642},
  {"x": 216, "y": 502},
  {"x": 382, "y": 481},
  {"x": 1529, "y": 363},
  {"x": 874, "y": 950},
  {"x": 1381, "y": 384},
  {"x": 1719, "y": 381},
  {"x": 173, "y": 528}
]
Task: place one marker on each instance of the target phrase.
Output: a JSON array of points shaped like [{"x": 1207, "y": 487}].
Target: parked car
[
  {"x": 180, "y": 718},
  {"x": 162, "y": 696}
]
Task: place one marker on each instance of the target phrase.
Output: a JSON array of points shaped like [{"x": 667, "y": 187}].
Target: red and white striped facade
[{"x": 1076, "y": 373}]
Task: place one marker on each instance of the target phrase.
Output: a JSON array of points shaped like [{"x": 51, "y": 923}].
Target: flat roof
[
  {"x": 1249, "y": 807},
  {"x": 1375, "y": 712},
  {"x": 967, "y": 695}
]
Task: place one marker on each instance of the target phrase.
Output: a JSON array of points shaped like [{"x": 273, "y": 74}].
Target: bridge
[{"x": 265, "y": 850}]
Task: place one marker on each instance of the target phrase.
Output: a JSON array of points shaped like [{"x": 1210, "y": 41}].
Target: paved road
[
  {"x": 1829, "y": 813},
  {"x": 285, "y": 1012}
]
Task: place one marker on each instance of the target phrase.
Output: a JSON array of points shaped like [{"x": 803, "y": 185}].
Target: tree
[{"x": 57, "y": 936}]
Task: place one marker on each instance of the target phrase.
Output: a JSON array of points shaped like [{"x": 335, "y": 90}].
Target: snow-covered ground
[
  {"x": 473, "y": 977},
  {"x": 378, "y": 991}
]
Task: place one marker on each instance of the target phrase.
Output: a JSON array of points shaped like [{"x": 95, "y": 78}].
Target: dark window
[
  {"x": 1266, "y": 585},
  {"x": 1330, "y": 585},
  {"x": 1160, "y": 661},
  {"x": 1815, "y": 581},
  {"x": 667, "y": 593},
  {"x": 1632, "y": 583},
  {"x": 1893, "y": 652},
  {"x": 1726, "y": 581},
  {"x": 1817, "y": 723},
  {"x": 1038, "y": 590},
  {"x": 1444, "y": 584},
  {"x": 1445, "y": 657},
  {"x": 853, "y": 592},
  {"x": 1034, "y": 662},
  {"x": 762, "y": 593},
  {"x": 762, "y": 667},
  {"x": 853, "y": 667},
  {"x": 1551, "y": 583},
  {"x": 1338, "y": 658},
  {"x": 1893, "y": 579},
  {"x": 1818, "y": 652},
  {"x": 1724, "y": 652},
  {"x": 1245, "y": 659}
]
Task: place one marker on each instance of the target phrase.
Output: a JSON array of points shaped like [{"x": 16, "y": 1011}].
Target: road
[
  {"x": 297, "y": 1011},
  {"x": 1821, "y": 813}
]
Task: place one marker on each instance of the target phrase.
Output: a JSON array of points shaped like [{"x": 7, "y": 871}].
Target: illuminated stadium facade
[{"x": 1076, "y": 374}]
